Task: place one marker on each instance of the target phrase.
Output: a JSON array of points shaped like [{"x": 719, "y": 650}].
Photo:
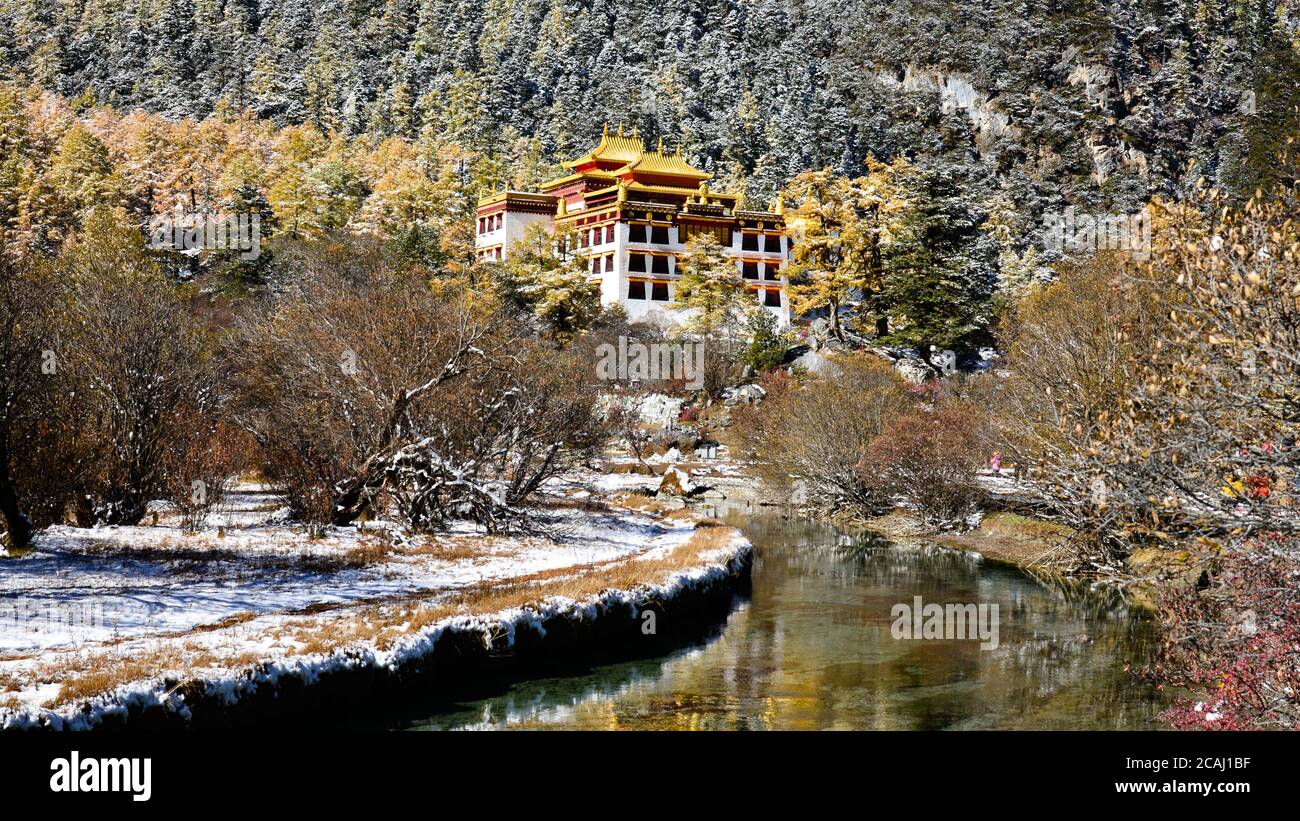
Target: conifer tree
[
  {"x": 543, "y": 275},
  {"x": 710, "y": 285},
  {"x": 939, "y": 269}
]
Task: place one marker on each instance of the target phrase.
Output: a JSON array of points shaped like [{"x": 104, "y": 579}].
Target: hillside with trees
[{"x": 1096, "y": 104}]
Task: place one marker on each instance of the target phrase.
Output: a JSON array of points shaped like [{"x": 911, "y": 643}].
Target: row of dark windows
[
  {"x": 658, "y": 235},
  {"x": 640, "y": 232},
  {"x": 637, "y": 263},
  {"x": 658, "y": 292},
  {"x": 771, "y": 243},
  {"x": 593, "y": 236},
  {"x": 752, "y": 270},
  {"x": 491, "y": 223}
]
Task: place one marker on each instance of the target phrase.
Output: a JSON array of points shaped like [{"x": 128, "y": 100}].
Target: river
[{"x": 812, "y": 648}]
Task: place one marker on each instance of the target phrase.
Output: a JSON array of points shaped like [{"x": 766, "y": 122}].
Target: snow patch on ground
[
  {"x": 232, "y": 684},
  {"x": 250, "y": 587}
]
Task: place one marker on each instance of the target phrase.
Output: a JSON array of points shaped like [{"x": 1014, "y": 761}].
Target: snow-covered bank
[{"x": 226, "y": 618}]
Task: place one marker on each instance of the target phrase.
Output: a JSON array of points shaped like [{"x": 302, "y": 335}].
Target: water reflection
[{"x": 812, "y": 649}]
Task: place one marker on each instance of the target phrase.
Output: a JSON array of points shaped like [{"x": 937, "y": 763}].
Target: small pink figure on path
[{"x": 996, "y": 462}]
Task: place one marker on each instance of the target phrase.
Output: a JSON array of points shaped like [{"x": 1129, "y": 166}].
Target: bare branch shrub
[
  {"x": 202, "y": 464},
  {"x": 1072, "y": 350},
  {"x": 28, "y": 372},
  {"x": 818, "y": 433},
  {"x": 930, "y": 459},
  {"x": 135, "y": 358}
]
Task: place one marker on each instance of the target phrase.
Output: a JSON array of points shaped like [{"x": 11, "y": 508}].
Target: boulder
[
  {"x": 660, "y": 409},
  {"x": 913, "y": 370},
  {"x": 910, "y": 364},
  {"x": 676, "y": 482},
  {"x": 813, "y": 362},
  {"x": 684, "y": 440},
  {"x": 819, "y": 333},
  {"x": 670, "y": 456},
  {"x": 744, "y": 395}
]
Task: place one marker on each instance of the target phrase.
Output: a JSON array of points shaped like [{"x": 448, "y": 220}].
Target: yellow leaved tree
[{"x": 840, "y": 226}]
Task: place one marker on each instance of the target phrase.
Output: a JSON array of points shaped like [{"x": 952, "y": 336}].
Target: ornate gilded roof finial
[
  {"x": 679, "y": 151},
  {"x": 704, "y": 190},
  {"x": 604, "y": 132},
  {"x": 661, "y": 145},
  {"x": 622, "y": 192},
  {"x": 561, "y": 207},
  {"x": 620, "y": 128},
  {"x": 778, "y": 205},
  {"x": 634, "y": 134}
]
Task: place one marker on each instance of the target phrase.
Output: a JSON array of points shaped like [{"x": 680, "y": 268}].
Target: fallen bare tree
[{"x": 495, "y": 438}]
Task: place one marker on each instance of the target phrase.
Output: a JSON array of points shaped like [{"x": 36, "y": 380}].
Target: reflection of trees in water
[{"x": 813, "y": 649}]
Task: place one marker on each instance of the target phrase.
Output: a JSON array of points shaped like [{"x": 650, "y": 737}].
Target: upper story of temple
[{"x": 632, "y": 211}]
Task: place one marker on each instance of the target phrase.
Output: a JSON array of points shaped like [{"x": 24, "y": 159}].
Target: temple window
[
  {"x": 609, "y": 233},
  {"x": 772, "y": 298},
  {"x": 659, "y": 265},
  {"x": 636, "y": 262},
  {"x": 659, "y": 234},
  {"x": 749, "y": 242},
  {"x": 771, "y": 271},
  {"x": 772, "y": 243},
  {"x": 595, "y": 265},
  {"x": 636, "y": 232},
  {"x": 609, "y": 262},
  {"x": 750, "y": 270},
  {"x": 659, "y": 292},
  {"x": 636, "y": 289}
]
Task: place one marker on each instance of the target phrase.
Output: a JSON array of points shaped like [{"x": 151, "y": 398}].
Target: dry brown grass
[
  {"x": 589, "y": 580},
  {"x": 459, "y": 548},
  {"x": 98, "y": 673},
  {"x": 102, "y": 672},
  {"x": 370, "y": 551},
  {"x": 648, "y": 504}
]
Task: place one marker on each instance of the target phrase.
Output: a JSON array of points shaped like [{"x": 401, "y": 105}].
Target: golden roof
[
  {"x": 657, "y": 162},
  {"x": 596, "y": 174},
  {"x": 672, "y": 189},
  {"x": 515, "y": 196},
  {"x": 632, "y": 153},
  {"x": 612, "y": 148}
]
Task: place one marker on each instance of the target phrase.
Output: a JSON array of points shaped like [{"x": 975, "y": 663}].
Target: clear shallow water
[{"x": 812, "y": 649}]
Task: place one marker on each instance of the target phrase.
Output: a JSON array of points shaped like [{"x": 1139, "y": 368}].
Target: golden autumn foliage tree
[
  {"x": 840, "y": 226},
  {"x": 1205, "y": 444}
]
